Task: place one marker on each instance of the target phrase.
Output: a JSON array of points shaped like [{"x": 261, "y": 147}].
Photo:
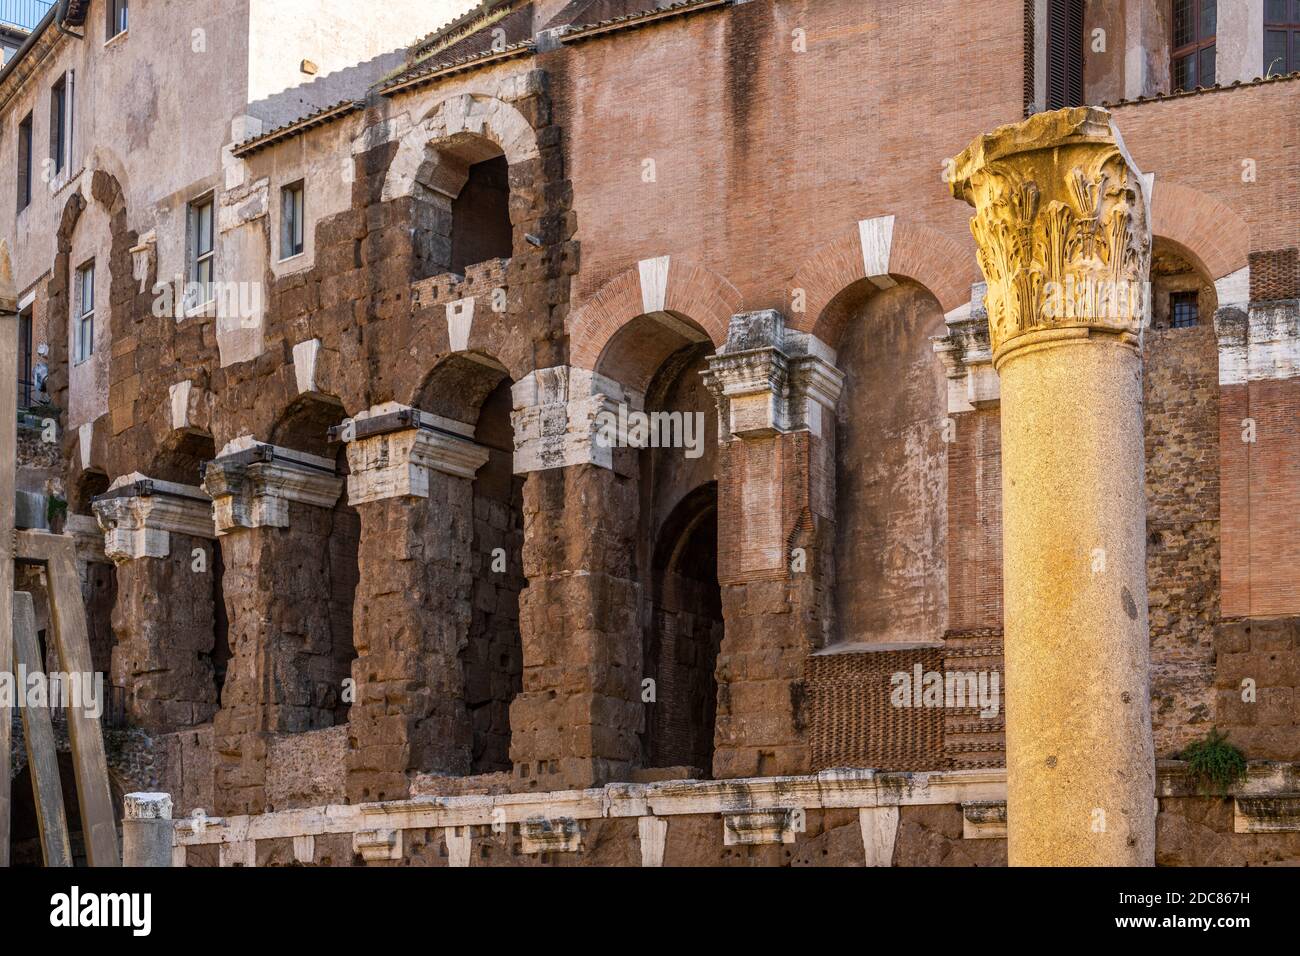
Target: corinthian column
[{"x": 1061, "y": 223}]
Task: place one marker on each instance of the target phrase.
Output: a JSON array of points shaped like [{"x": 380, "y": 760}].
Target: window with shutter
[
  {"x": 1064, "y": 53},
  {"x": 25, "y": 163}
]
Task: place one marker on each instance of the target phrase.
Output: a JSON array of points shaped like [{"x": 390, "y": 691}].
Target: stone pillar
[
  {"x": 147, "y": 829},
  {"x": 411, "y": 481},
  {"x": 576, "y": 722},
  {"x": 776, "y": 392},
  {"x": 159, "y": 534},
  {"x": 1063, "y": 236},
  {"x": 274, "y": 514}
]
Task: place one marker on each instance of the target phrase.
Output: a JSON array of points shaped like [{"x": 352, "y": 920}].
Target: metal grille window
[
  {"x": 1183, "y": 310},
  {"x": 291, "y": 221},
  {"x": 1192, "y": 61},
  {"x": 117, "y": 18},
  {"x": 85, "y": 312},
  {"x": 1281, "y": 37},
  {"x": 202, "y": 255}
]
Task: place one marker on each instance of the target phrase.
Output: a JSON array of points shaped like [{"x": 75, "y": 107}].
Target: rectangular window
[
  {"x": 291, "y": 221},
  {"x": 202, "y": 256},
  {"x": 1192, "y": 62},
  {"x": 117, "y": 20},
  {"x": 59, "y": 124},
  {"x": 85, "y": 312},
  {"x": 1281, "y": 37},
  {"x": 25, "y": 163},
  {"x": 25, "y": 384},
  {"x": 1183, "y": 310}
]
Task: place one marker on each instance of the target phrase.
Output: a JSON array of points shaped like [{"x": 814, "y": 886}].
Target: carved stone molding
[
  {"x": 967, "y": 355},
  {"x": 1061, "y": 225},
  {"x": 984, "y": 820},
  {"x": 1276, "y": 813},
  {"x": 252, "y": 484},
  {"x": 768, "y": 380},
  {"x": 759, "y": 826},
  {"x": 392, "y": 448},
  {"x": 378, "y": 845},
  {"x": 542, "y": 835},
  {"x": 138, "y": 516},
  {"x": 556, "y": 418}
]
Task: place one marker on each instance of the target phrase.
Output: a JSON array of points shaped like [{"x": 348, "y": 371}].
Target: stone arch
[
  {"x": 670, "y": 299},
  {"x": 457, "y": 119},
  {"x": 874, "y": 251},
  {"x": 1215, "y": 238}
]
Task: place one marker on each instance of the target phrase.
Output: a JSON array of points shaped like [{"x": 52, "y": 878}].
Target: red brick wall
[{"x": 975, "y": 521}]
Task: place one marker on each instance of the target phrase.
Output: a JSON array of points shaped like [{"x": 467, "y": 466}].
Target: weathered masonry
[{"x": 647, "y": 463}]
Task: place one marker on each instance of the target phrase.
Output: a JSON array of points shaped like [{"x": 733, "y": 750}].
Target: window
[
  {"x": 202, "y": 258},
  {"x": 1195, "y": 23},
  {"x": 85, "y": 312},
  {"x": 291, "y": 221},
  {"x": 1281, "y": 37},
  {"x": 1183, "y": 311},
  {"x": 1064, "y": 53},
  {"x": 116, "y": 17},
  {"x": 25, "y": 163},
  {"x": 25, "y": 384},
  {"x": 59, "y": 124}
]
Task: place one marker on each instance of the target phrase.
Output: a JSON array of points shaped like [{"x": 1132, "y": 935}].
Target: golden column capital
[{"x": 1062, "y": 226}]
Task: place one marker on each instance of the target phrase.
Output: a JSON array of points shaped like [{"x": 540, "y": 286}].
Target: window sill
[
  {"x": 293, "y": 258},
  {"x": 116, "y": 37},
  {"x": 203, "y": 310}
]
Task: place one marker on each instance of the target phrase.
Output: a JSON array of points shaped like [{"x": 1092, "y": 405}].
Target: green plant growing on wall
[{"x": 1214, "y": 763}]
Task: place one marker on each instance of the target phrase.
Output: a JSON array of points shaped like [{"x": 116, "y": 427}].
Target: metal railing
[{"x": 23, "y": 13}]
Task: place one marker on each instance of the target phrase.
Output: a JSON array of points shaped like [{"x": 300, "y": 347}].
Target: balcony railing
[{"x": 23, "y": 13}]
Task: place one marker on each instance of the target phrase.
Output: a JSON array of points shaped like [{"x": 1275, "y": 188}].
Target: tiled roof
[
  {"x": 1202, "y": 90},
  {"x": 319, "y": 118}
]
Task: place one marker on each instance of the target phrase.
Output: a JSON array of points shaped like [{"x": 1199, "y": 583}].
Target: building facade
[{"x": 586, "y": 415}]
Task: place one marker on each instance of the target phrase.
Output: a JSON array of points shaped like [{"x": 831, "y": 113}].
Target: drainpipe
[{"x": 60, "y": 11}]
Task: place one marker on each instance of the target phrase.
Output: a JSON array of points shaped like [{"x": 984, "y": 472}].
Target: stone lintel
[
  {"x": 252, "y": 484},
  {"x": 378, "y": 845},
  {"x": 138, "y": 515},
  {"x": 557, "y": 414},
  {"x": 396, "y": 463},
  {"x": 1260, "y": 342},
  {"x": 967, "y": 356}
]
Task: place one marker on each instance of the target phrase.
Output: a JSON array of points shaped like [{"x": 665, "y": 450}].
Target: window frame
[
  {"x": 293, "y": 213},
  {"x": 1195, "y": 48},
  {"x": 118, "y": 19},
  {"x": 1182, "y": 297},
  {"x": 1288, "y": 26},
  {"x": 26, "y": 358},
  {"x": 59, "y": 123},
  {"x": 85, "y": 324},
  {"x": 26, "y": 140},
  {"x": 198, "y": 258}
]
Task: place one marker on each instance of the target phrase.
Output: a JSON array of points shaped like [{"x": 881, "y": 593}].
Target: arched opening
[
  {"x": 681, "y": 647},
  {"x": 325, "y": 571},
  {"x": 476, "y": 390},
  {"x": 462, "y": 206},
  {"x": 660, "y": 359},
  {"x": 25, "y": 835},
  {"x": 890, "y": 469},
  {"x": 89, "y": 485},
  {"x": 1180, "y": 386}
]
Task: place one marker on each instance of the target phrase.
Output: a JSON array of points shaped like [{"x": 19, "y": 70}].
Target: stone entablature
[
  {"x": 967, "y": 355},
  {"x": 138, "y": 515},
  {"x": 1258, "y": 343},
  {"x": 252, "y": 484},
  {"x": 556, "y": 417},
  {"x": 392, "y": 448},
  {"x": 770, "y": 380}
]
